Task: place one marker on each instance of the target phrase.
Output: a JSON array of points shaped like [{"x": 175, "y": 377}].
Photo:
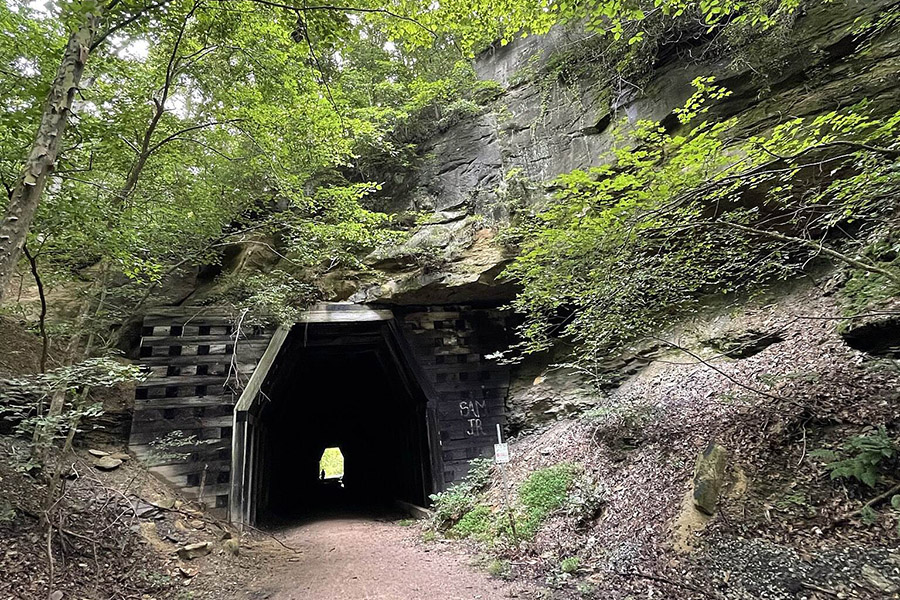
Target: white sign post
[
  {"x": 501, "y": 458},
  {"x": 501, "y": 450}
]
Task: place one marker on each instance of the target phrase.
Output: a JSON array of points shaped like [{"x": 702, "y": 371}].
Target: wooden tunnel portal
[
  {"x": 333, "y": 382},
  {"x": 237, "y": 415}
]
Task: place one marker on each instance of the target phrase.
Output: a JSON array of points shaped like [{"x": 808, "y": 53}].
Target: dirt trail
[{"x": 353, "y": 558}]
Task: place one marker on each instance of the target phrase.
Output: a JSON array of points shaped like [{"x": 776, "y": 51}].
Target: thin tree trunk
[
  {"x": 42, "y": 320},
  {"x": 26, "y": 194}
]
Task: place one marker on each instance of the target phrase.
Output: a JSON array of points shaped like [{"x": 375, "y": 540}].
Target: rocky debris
[
  {"x": 151, "y": 510},
  {"x": 709, "y": 476},
  {"x": 56, "y": 595},
  {"x": 192, "y": 551},
  {"x": 760, "y": 569},
  {"x": 876, "y": 581},
  {"x": 744, "y": 344},
  {"x": 108, "y": 463},
  {"x": 97, "y": 453},
  {"x": 188, "y": 573}
]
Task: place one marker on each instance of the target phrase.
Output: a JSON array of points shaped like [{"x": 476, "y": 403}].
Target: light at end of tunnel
[{"x": 331, "y": 465}]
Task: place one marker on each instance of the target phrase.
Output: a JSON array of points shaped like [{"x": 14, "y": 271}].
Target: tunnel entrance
[{"x": 351, "y": 385}]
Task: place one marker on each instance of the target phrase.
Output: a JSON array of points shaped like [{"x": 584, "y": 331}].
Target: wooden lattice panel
[
  {"x": 450, "y": 344},
  {"x": 198, "y": 362}
]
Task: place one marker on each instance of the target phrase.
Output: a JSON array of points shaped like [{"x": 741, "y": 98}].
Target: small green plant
[
  {"x": 451, "y": 505},
  {"x": 406, "y": 522},
  {"x": 53, "y": 406},
  {"x": 477, "y": 523},
  {"x": 544, "y": 492},
  {"x": 569, "y": 564},
  {"x": 175, "y": 446},
  {"x": 865, "y": 458},
  {"x": 486, "y": 91},
  {"x": 497, "y": 568},
  {"x": 429, "y": 535}
]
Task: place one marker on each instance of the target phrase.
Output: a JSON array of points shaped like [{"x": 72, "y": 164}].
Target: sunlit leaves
[{"x": 628, "y": 246}]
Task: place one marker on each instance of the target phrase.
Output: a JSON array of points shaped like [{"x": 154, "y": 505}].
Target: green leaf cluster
[{"x": 866, "y": 458}]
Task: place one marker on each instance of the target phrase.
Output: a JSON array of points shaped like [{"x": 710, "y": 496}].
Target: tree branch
[
  {"x": 181, "y": 132},
  {"x": 42, "y": 320},
  {"x": 892, "y": 276},
  {"x": 353, "y": 9},
  {"x": 124, "y": 23}
]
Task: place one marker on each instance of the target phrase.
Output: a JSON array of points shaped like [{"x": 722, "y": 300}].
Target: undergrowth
[
  {"x": 463, "y": 512},
  {"x": 868, "y": 458}
]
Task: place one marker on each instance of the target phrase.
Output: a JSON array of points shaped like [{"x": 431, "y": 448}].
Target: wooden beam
[
  {"x": 248, "y": 396},
  {"x": 344, "y": 312}
]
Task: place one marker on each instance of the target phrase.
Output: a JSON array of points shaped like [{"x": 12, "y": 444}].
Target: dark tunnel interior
[{"x": 340, "y": 385}]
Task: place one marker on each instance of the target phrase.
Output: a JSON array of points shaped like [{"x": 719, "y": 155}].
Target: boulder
[
  {"x": 876, "y": 581},
  {"x": 709, "y": 476},
  {"x": 192, "y": 551},
  {"x": 107, "y": 463}
]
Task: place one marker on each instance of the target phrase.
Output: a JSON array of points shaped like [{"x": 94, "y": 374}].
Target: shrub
[
  {"x": 569, "y": 564},
  {"x": 451, "y": 505},
  {"x": 497, "y": 568},
  {"x": 863, "y": 457}
]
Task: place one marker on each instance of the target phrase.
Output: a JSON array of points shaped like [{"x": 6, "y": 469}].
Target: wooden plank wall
[
  {"x": 198, "y": 364},
  {"x": 450, "y": 344}
]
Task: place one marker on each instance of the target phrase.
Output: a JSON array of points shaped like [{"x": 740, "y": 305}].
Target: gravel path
[{"x": 351, "y": 558}]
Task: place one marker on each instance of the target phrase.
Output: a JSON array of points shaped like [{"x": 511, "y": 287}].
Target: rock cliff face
[{"x": 477, "y": 174}]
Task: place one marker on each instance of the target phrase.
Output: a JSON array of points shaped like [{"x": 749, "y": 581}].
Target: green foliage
[
  {"x": 175, "y": 446},
  {"x": 497, "y": 568},
  {"x": 429, "y": 535},
  {"x": 866, "y": 458},
  {"x": 569, "y": 564},
  {"x": 26, "y": 401},
  {"x": 671, "y": 216},
  {"x": 544, "y": 492},
  {"x": 463, "y": 513},
  {"x": 276, "y": 296},
  {"x": 477, "y": 523},
  {"x": 460, "y": 498}
]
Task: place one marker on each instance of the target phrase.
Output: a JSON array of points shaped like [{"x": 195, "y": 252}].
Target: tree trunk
[{"x": 26, "y": 195}]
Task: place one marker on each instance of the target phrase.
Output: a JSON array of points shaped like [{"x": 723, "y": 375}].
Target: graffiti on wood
[{"x": 471, "y": 410}]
